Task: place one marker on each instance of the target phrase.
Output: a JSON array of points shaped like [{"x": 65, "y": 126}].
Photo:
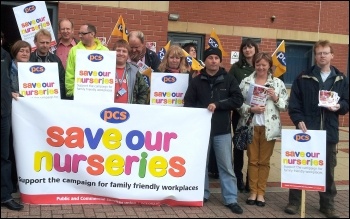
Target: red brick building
[{"x": 300, "y": 24}]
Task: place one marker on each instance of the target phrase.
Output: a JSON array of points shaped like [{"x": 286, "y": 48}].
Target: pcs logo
[
  {"x": 95, "y": 57},
  {"x": 37, "y": 69},
  {"x": 29, "y": 9},
  {"x": 168, "y": 79},
  {"x": 281, "y": 58},
  {"x": 302, "y": 137},
  {"x": 189, "y": 60},
  {"x": 120, "y": 28},
  {"x": 114, "y": 115},
  {"x": 213, "y": 43},
  {"x": 161, "y": 53}
]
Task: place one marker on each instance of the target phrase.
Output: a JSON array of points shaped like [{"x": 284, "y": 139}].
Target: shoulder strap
[{"x": 250, "y": 119}]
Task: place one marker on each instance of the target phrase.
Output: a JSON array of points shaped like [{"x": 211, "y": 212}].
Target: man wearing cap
[{"x": 219, "y": 92}]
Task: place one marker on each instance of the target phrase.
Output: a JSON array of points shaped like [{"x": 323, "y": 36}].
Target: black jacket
[
  {"x": 6, "y": 98},
  {"x": 303, "y": 102},
  {"x": 224, "y": 93},
  {"x": 151, "y": 59},
  {"x": 61, "y": 72}
]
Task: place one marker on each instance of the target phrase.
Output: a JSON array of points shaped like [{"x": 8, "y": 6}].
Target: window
[
  {"x": 182, "y": 38},
  {"x": 256, "y": 40},
  {"x": 299, "y": 58}
]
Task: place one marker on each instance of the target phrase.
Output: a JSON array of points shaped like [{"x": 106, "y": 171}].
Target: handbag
[{"x": 243, "y": 136}]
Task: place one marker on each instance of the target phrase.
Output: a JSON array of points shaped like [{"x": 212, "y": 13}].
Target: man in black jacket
[
  {"x": 6, "y": 105},
  {"x": 306, "y": 114},
  {"x": 139, "y": 52},
  {"x": 219, "y": 92},
  {"x": 42, "y": 40}
]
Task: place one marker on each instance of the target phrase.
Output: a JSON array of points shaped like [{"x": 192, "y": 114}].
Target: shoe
[
  {"x": 235, "y": 208},
  {"x": 240, "y": 184},
  {"x": 291, "y": 209},
  {"x": 250, "y": 202},
  {"x": 205, "y": 199},
  {"x": 329, "y": 213},
  {"x": 260, "y": 203},
  {"x": 12, "y": 205}
]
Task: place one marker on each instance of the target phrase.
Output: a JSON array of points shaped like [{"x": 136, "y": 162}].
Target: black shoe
[
  {"x": 235, "y": 208},
  {"x": 205, "y": 199},
  {"x": 291, "y": 208},
  {"x": 240, "y": 184},
  {"x": 12, "y": 205},
  {"x": 329, "y": 213},
  {"x": 250, "y": 202},
  {"x": 260, "y": 203}
]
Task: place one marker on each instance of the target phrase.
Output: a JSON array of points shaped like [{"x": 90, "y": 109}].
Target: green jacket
[
  {"x": 241, "y": 72},
  {"x": 137, "y": 86},
  {"x": 70, "y": 68}
]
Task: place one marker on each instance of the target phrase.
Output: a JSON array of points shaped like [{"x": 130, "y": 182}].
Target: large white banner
[
  {"x": 32, "y": 17},
  {"x": 303, "y": 160},
  {"x": 39, "y": 80},
  {"x": 168, "y": 89},
  {"x": 95, "y": 75},
  {"x": 72, "y": 152}
]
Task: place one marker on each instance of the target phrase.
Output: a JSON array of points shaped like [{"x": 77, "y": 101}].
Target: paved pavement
[{"x": 276, "y": 199}]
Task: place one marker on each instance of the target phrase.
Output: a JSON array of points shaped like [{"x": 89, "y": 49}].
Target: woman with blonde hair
[{"x": 174, "y": 61}]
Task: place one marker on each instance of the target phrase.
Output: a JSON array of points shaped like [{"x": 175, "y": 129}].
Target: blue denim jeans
[
  {"x": 6, "y": 183},
  {"x": 228, "y": 181}
]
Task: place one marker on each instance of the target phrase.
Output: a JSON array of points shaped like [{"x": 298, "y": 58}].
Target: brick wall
[
  {"x": 290, "y": 15},
  {"x": 302, "y": 16},
  {"x": 153, "y": 24}
]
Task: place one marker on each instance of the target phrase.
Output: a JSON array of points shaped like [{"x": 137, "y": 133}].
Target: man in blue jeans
[{"x": 219, "y": 92}]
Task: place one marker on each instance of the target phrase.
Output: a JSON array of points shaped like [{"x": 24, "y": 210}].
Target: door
[
  {"x": 9, "y": 24},
  {"x": 182, "y": 38},
  {"x": 299, "y": 58}
]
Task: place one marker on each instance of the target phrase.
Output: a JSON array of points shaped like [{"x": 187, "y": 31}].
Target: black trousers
[
  {"x": 212, "y": 164},
  {"x": 327, "y": 197},
  {"x": 12, "y": 158},
  {"x": 238, "y": 155},
  {"x": 6, "y": 184}
]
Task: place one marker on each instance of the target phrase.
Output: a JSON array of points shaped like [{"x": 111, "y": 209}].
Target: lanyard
[{"x": 121, "y": 81}]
